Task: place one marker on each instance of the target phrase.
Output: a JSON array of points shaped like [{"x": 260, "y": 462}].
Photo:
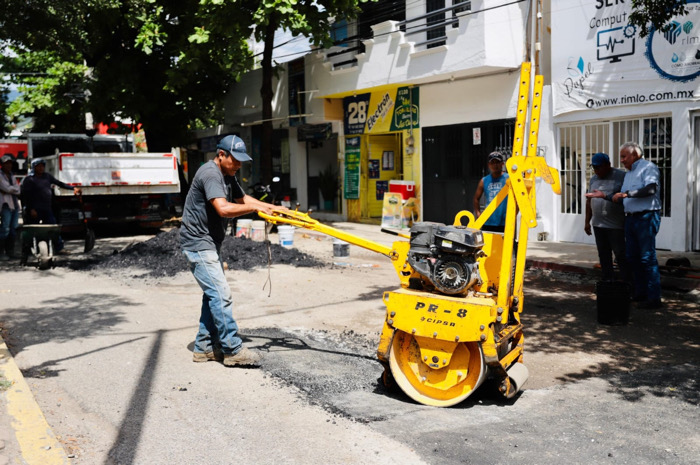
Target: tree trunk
[
  {"x": 157, "y": 140},
  {"x": 266, "y": 94}
]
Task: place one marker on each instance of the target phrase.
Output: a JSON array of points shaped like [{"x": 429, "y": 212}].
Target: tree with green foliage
[
  {"x": 655, "y": 13},
  {"x": 309, "y": 18},
  {"x": 165, "y": 64}
]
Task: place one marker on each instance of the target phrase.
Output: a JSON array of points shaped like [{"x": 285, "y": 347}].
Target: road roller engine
[
  {"x": 455, "y": 320},
  {"x": 445, "y": 257}
]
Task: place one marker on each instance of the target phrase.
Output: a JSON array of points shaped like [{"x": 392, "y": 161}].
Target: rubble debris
[{"x": 161, "y": 256}]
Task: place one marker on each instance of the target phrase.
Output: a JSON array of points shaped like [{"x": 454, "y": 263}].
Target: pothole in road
[{"x": 323, "y": 365}]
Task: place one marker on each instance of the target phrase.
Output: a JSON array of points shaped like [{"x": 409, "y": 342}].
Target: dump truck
[
  {"x": 455, "y": 320},
  {"x": 119, "y": 185}
]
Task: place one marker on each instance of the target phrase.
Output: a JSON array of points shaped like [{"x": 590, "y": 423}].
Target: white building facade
[
  {"x": 422, "y": 91},
  {"x": 610, "y": 86},
  {"x": 423, "y": 96}
]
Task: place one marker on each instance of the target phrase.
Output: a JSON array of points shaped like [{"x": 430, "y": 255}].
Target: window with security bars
[
  {"x": 446, "y": 13},
  {"x": 578, "y": 143},
  {"x": 435, "y": 22},
  {"x": 461, "y": 6},
  {"x": 656, "y": 143},
  {"x": 570, "y": 143}
]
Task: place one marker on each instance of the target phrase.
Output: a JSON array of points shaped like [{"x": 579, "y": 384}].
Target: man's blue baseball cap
[
  {"x": 235, "y": 146},
  {"x": 38, "y": 161},
  {"x": 600, "y": 159}
]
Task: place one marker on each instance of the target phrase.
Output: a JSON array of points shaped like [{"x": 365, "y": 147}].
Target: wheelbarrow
[{"x": 37, "y": 240}]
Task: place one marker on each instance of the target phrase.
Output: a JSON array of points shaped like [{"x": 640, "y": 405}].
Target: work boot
[
  {"x": 215, "y": 356},
  {"x": 244, "y": 358}
]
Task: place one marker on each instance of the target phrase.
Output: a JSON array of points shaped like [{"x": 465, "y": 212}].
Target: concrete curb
[
  {"x": 37, "y": 443},
  {"x": 683, "y": 288},
  {"x": 543, "y": 265}
]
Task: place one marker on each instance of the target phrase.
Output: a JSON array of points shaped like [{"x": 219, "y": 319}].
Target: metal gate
[{"x": 454, "y": 159}]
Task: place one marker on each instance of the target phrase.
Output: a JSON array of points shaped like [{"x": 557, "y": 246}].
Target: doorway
[
  {"x": 322, "y": 162},
  {"x": 454, "y": 159},
  {"x": 381, "y": 163}
]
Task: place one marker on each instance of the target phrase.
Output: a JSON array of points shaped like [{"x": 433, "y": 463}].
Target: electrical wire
[
  {"x": 380, "y": 14},
  {"x": 466, "y": 13}
]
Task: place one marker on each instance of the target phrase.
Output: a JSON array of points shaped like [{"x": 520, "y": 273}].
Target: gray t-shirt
[
  {"x": 202, "y": 227},
  {"x": 607, "y": 214}
]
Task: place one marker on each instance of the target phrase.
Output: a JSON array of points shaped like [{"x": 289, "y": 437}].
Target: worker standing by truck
[
  {"x": 201, "y": 236},
  {"x": 37, "y": 197}
]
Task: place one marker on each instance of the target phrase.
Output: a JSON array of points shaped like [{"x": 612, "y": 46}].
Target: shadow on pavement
[
  {"x": 62, "y": 319},
  {"x": 124, "y": 448},
  {"x": 560, "y": 318}
]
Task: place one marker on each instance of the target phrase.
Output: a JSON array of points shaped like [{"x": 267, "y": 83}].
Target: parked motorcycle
[{"x": 267, "y": 193}]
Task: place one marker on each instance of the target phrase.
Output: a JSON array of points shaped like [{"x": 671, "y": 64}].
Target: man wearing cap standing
[
  {"x": 606, "y": 217},
  {"x": 9, "y": 208},
  {"x": 201, "y": 235},
  {"x": 642, "y": 202},
  {"x": 37, "y": 196},
  {"x": 491, "y": 184}
]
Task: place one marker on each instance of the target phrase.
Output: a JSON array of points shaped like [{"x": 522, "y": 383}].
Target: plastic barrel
[
  {"x": 258, "y": 231},
  {"x": 613, "y": 302},
  {"x": 243, "y": 228}
]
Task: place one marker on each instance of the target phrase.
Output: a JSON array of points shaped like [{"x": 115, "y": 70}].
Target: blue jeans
[
  {"x": 217, "y": 327},
  {"x": 9, "y": 219},
  {"x": 609, "y": 241},
  {"x": 640, "y": 233}
]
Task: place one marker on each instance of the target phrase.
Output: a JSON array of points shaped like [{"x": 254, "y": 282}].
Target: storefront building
[
  {"x": 610, "y": 86},
  {"x": 419, "y": 92}
]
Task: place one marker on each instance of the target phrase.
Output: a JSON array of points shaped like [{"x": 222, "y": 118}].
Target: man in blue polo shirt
[{"x": 642, "y": 204}]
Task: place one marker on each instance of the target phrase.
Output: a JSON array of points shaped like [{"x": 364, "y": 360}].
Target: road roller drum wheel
[{"x": 435, "y": 372}]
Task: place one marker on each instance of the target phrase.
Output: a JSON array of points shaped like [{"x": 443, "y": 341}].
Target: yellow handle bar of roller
[{"x": 303, "y": 220}]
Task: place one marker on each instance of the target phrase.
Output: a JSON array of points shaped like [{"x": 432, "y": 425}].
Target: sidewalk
[{"x": 25, "y": 436}]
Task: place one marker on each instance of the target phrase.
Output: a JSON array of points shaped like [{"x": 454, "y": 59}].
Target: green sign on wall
[{"x": 352, "y": 168}]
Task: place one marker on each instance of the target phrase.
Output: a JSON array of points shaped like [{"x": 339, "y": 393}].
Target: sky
[{"x": 293, "y": 48}]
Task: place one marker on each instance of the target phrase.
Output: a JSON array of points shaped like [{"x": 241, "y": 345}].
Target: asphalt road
[{"x": 108, "y": 358}]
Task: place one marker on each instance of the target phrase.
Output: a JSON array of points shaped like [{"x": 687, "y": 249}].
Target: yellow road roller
[{"x": 455, "y": 320}]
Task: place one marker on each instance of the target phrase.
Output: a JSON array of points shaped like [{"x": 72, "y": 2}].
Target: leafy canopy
[
  {"x": 655, "y": 13},
  {"x": 166, "y": 64}
]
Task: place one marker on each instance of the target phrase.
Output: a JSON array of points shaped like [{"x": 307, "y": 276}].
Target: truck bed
[{"x": 116, "y": 173}]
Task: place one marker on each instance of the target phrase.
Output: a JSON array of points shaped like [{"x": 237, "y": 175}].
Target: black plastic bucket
[{"x": 613, "y": 302}]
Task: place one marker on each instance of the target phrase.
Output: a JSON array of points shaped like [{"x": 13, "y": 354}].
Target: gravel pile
[{"x": 161, "y": 256}]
